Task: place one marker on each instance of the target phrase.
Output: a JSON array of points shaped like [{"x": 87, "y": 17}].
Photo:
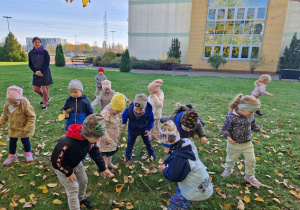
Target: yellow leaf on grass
[
  {"x": 22, "y": 200},
  {"x": 43, "y": 187},
  {"x": 130, "y": 179},
  {"x": 61, "y": 117},
  {"x": 14, "y": 204},
  {"x": 256, "y": 158},
  {"x": 56, "y": 201},
  {"x": 45, "y": 190},
  {"x": 226, "y": 206},
  {"x": 107, "y": 183},
  {"x": 31, "y": 196},
  {"x": 129, "y": 206},
  {"x": 259, "y": 199},
  {"x": 295, "y": 193},
  {"x": 277, "y": 200},
  {"x": 52, "y": 184},
  {"x": 119, "y": 187},
  {"x": 96, "y": 173},
  {"x": 246, "y": 199}
]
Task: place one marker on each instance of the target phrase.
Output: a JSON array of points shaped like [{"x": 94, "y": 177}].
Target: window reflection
[
  {"x": 237, "y": 39},
  {"x": 227, "y": 40},
  {"x": 211, "y": 14},
  {"x": 219, "y": 27},
  {"x": 235, "y": 52},
  {"x": 229, "y": 27},
  {"x": 262, "y": 3},
  {"x": 230, "y": 13},
  {"x": 226, "y": 51},
  {"x": 218, "y": 39},
  {"x": 261, "y": 12},
  {"x": 248, "y": 28},
  {"x": 217, "y": 50},
  {"x": 210, "y": 27},
  {"x": 245, "y": 52},
  {"x": 250, "y": 13},
  {"x": 221, "y": 14},
  {"x": 241, "y": 3},
  {"x": 222, "y": 3},
  {"x": 239, "y": 27},
  {"x": 256, "y": 39},
  {"x": 246, "y": 40},
  {"x": 207, "y": 51},
  {"x": 258, "y": 27},
  {"x": 254, "y": 52},
  {"x": 232, "y": 3},
  {"x": 252, "y": 3},
  {"x": 240, "y": 13},
  {"x": 209, "y": 39}
]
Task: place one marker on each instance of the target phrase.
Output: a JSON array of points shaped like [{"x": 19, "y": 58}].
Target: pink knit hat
[
  {"x": 14, "y": 92},
  {"x": 155, "y": 86}
]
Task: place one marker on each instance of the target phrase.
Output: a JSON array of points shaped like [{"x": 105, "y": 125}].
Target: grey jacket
[
  {"x": 39, "y": 61},
  {"x": 239, "y": 127},
  {"x": 199, "y": 130}
]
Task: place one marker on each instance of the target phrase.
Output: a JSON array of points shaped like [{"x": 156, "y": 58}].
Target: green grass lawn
[{"x": 277, "y": 152}]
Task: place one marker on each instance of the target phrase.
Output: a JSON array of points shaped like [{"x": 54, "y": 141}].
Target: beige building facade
[{"x": 239, "y": 30}]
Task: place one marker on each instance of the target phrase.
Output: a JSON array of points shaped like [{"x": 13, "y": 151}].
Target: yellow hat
[{"x": 118, "y": 102}]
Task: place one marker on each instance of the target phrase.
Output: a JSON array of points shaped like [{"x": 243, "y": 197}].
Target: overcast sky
[{"x": 59, "y": 19}]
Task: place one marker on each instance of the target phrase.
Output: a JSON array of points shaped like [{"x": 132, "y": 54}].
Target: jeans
[
  {"x": 130, "y": 144},
  {"x": 13, "y": 145}
]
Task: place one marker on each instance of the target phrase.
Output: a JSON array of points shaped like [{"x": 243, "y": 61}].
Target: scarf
[{"x": 40, "y": 49}]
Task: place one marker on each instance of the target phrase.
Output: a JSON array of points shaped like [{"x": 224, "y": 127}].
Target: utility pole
[
  {"x": 75, "y": 45},
  {"x": 105, "y": 42},
  {"x": 113, "y": 43},
  {"x": 7, "y": 22}
]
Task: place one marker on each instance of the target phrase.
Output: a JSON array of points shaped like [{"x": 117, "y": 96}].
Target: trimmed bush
[
  {"x": 146, "y": 64},
  {"x": 59, "y": 56},
  {"x": 104, "y": 61},
  {"x": 109, "y": 55},
  {"x": 96, "y": 61},
  {"x": 125, "y": 65},
  {"x": 215, "y": 61}
]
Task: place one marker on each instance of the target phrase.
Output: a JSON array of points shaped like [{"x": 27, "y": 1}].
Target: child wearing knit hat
[
  {"x": 21, "y": 122},
  {"x": 108, "y": 143},
  {"x": 98, "y": 79},
  {"x": 79, "y": 105},
  {"x": 106, "y": 95},
  {"x": 141, "y": 119},
  {"x": 156, "y": 99},
  {"x": 187, "y": 122},
  {"x": 184, "y": 167},
  {"x": 71, "y": 150}
]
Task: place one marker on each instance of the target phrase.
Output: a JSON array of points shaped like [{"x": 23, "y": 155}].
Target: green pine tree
[
  {"x": 59, "y": 56},
  {"x": 125, "y": 64},
  {"x": 291, "y": 55},
  {"x": 11, "y": 51},
  {"x": 174, "y": 50}
]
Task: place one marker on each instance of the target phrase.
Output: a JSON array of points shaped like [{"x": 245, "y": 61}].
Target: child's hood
[
  {"x": 185, "y": 151},
  {"x": 74, "y": 132}
]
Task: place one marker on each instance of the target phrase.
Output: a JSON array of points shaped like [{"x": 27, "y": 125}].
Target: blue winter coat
[
  {"x": 81, "y": 108},
  {"x": 185, "y": 167},
  {"x": 39, "y": 61},
  {"x": 138, "y": 126}
]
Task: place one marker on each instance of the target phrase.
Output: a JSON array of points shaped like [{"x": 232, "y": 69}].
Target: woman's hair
[
  {"x": 24, "y": 104},
  {"x": 240, "y": 99},
  {"x": 262, "y": 79},
  {"x": 36, "y": 38}
]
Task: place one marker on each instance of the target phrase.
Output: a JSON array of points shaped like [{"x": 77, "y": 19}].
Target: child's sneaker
[
  {"x": 226, "y": 173},
  {"x": 11, "y": 158},
  {"x": 88, "y": 204},
  {"x": 87, "y": 158},
  {"x": 28, "y": 156},
  {"x": 259, "y": 113},
  {"x": 113, "y": 166},
  {"x": 252, "y": 180},
  {"x": 44, "y": 106}
]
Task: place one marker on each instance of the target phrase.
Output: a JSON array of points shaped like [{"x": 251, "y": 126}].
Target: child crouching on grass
[
  {"x": 237, "y": 130},
  {"x": 71, "y": 150},
  {"x": 21, "y": 122},
  {"x": 184, "y": 166}
]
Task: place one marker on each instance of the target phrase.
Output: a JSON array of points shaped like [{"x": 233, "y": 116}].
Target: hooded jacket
[
  {"x": 81, "y": 108},
  {"x": 175, "y": 117},
  {"x": 72, "y": 149},
  {"x": 138, "y": 126},
  {"x": 239, "y": 127},
  {"x": 185, "y": 167}
]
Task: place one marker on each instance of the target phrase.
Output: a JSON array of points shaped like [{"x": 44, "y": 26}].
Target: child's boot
[
  {"x": 88, "y": 204},
  {"x": 28, "y": 156},
  {"x": 11, "y": 158},
  {"x": 226, "y": 173},
  {"x": 259, "y": 113},
  {"x": 110, "y": 164},
  {"x": 252, "y": 180}
]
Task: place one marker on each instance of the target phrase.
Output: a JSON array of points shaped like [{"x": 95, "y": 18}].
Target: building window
[{"x": 235, "y": 28}]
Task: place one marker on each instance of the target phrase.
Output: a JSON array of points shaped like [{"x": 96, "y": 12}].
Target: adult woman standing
[{"x": 39, "y": 61}]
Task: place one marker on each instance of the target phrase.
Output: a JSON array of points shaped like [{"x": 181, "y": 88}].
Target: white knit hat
[
  {"x": 169, "y": 134},
  {"x": 75, "y": 84}
]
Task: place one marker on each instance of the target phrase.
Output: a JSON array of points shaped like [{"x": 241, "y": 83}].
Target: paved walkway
[{"x": 193, "y": 73}]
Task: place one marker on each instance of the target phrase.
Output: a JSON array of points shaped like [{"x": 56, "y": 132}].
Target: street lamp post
[
  {"x": 75, "y": 45},
  {"x": 112, "y": 33},
  {"x": 7, "y": 21}
]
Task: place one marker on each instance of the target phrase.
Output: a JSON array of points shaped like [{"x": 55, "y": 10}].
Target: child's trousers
[
  {"x": 13, "y": 144},
  {"x": 177, "y": 201},
  {"x": 235, "y": 150},
  {"x": 75, "y": 191},
  {"x": 130, "y": 144}
]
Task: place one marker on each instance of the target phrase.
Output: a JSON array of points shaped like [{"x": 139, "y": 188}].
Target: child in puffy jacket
[{"x": 184, "y": 167}]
